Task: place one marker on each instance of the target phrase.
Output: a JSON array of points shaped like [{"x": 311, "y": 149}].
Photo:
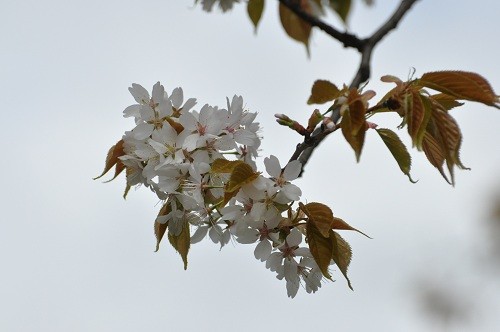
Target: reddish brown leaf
[
  {"x": 321, "y": 248},
  {"x": 160, "y": 228},
  {"x": 434, "y": 154},
  {"x": 446, "y": 101},
  {"x": 355, "y": 141},
  {"x": 461, "y": 85},
  {"x": 112, "y": 158}
]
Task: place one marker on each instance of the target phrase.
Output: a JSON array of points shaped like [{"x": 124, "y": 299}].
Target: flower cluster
[{"x": 173, "y": 150}]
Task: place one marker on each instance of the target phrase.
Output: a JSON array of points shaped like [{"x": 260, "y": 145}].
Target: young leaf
[
  {"x": 461, "y": 85},
  {"x": 320, "y": 215},
  {"x": 241, "y": 175},
  {"x": 434, "y": 154},
  {"x": 397, "y": 149},
  {"x": 323, "y": 91},
  {"x": 112, "y": 158},
  {"x": 294, "y": 26},
  {"x": 224, "y": 166},
  {"x": 446, "y": 101},
  {"x": 254, "y": 10},
  {"x": 321, "y": 248},
  {"x": 341, "y": 224},
  {"x": 160, "y": 228},
  {"x": 355, "y": 141},
  {"x": 181, "y": 243},
  {"x": 341, "y": 7},
  {"x": 341, "y": 254},
  {"x": 353, "y": 122}
]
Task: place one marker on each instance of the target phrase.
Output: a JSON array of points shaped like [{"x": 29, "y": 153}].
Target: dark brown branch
[
  {"x": 347, "y": 39},
  {"x": 305, "y": 149},
  {"x": 392, "y": 22}
]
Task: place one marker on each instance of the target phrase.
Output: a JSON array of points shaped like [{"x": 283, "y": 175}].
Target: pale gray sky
[{"x": 77, "y": 257}]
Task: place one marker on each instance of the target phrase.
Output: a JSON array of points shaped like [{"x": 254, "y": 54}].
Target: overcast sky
[{"x": 77, "y": 257}]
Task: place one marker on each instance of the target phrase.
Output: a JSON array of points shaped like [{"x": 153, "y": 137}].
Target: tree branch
[
  {"x": 305, "y": 149},
  {"x": 347, "y": 39}
]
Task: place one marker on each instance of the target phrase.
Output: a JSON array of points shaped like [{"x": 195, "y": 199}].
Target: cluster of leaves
[{"x": 426, "y": 115}]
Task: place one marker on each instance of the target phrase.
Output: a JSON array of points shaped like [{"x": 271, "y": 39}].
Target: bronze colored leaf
[
  {"x": 295, "y": 27},
  {"x": 397, "y": 149},
  {"x": 321, "y": 248},
  {"x": 320, "y": 215},
  {"x": 356, "y": 141},
  {"x": 434, "y": 154},
  {"x": 241, "y": 175},
  {"x": 221, "y": 165},
  {"x": 181, "y": 243},
  {"x": 341, "y": 254},
  {"x": 254, "y": 10},
  {"x": 461, "y": 85},
  {"x": 341, "y": 224},
  {"x": 357, "y": 112},
  {"x": 446, "y": 101},
  {"x": 323, "y": 91},
  {"x": 415, "y": 113},
  {"x": 160, "y": 228},
  {"x": 112, "y": 158},
  {"x": 341, "y": 7},
  {"x": 448, "y": 135}
]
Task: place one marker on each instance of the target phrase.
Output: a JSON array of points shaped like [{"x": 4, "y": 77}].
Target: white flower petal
[
  {"x": 132, "y": 110},
  {"x": 177, "y": 97},
  {"x": 215, "y": 233},
  {"x": 158, "y": 92},
  {"x": 199, "y": 234},
  {"x": 263, "y": 250},
  {"x": 140, "y": 94},
  {"x": 245, "y": 137},
  {"x": 142, "y": 131},
  {"x": 292, "y": 170},
  {"x": 189, "y": 104},
  {"x": 274, "y": 261},
  {"x": 273, "y": 167},
  {"x": 294, "y": 238}
]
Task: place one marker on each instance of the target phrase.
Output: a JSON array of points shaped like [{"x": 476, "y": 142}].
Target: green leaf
[
  {"x": 254, "y": 10},
  {"x": 341, "y": 254},
  {"x": 341, "y": 7},
  {"x": 397, "y": 149},
  {"x": 321, "y": 248},
  {"x": 181, "y": 243},
  {"x": 323, "y": 91}
]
